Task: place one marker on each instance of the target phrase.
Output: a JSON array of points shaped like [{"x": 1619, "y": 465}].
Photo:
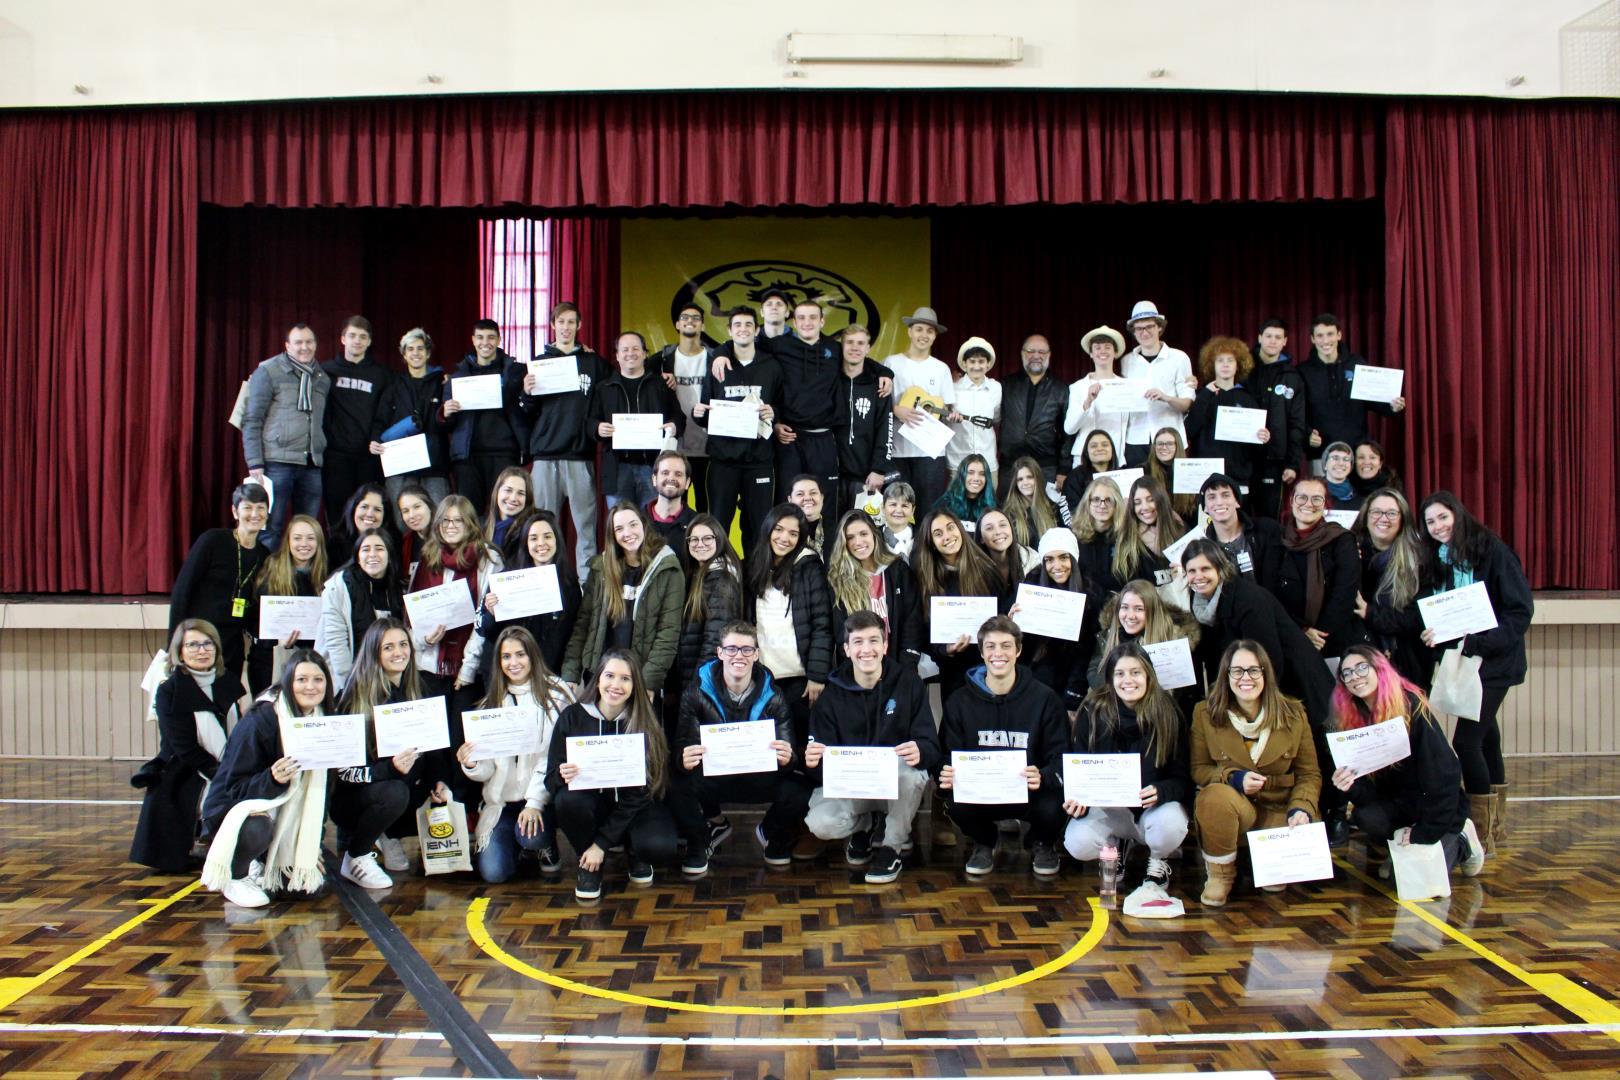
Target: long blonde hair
[
  {"x": 1398, "y": 585},
  {"x": 846, "y": 577},
  {"x": 433, "y": 549},
  {"x": 368, "y": 683},
  {"x": 1186, "y": 506},
  {"x": 613, "y": 566},
  {"x": 1085, "y": 526},
  {"x": 1159, "y": 619},
  {"x": 1157, "y": 716},
  {"x": 278, "y": 576},
  {"x": 1038, "y": 509}
]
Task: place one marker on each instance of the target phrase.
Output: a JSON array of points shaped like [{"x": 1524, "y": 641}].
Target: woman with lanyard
[
  {"x": 1321, "y": 571},
  {"x": 1394, "y": 570},
  {"x": 1030, "y": 505},
  {"x": 947, "y": 563},
  {"x": 1152, "y": 516},
  {"x": 265, "y": 815},
  {"x": 512, "y": 816},
  {"x": 195, "y": 706},
  {"x": 510, "y": 502},
  {"x": 365, "y": 589},
  {"x": 969, "y": 494},
  {"x": 1060, "y": 664},
  {"x": 633, "y": 595},
  {"x": 1420, "y": 799},
  {"x": 1254, "y": 762},
  {"x": 1161, "y": 466},
  {"x": 785, "y": 594},
  {"x": 1223, "y": 364},
  {"x": 416, "y": 506},
  {"x": 215, "y": 581},
  {"x": 1012, "y": 559},
  {"x": 1337, "y": 462},
  {"x": 1464, "y": 552},
  {"x": 863, "y": 576},
  {"x": 455, "y": 552},
  {"x": 296, "y": 568},
  {"x": 539, "y": 543}
]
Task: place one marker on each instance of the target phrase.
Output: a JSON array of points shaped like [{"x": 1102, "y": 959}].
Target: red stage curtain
[
  {"x": 98, "y": 240},
  {"x": 585, "y": 270},
  {"x": 956, "y": 148},
  {"x": 1503, "y": 241}
]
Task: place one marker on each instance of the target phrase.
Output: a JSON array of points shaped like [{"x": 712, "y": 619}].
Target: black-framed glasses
[
  {"x": 1383, "y": 515},
  {"x": 1246, "y": 672},
  {"x": 1346, "y": 674},
  {"x": 700, "y": 538},
  {"x": 198, "y": 646},
  {"x": 747, "y": 652}
]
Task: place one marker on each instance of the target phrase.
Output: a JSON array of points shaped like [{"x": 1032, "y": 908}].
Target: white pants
[
  {"x": 555, "y": 481},
  {"x": 834, "y": 819},
  {"x": 1162, "y": 828}
]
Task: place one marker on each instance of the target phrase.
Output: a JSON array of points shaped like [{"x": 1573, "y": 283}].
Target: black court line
[{"x": 470, "y": 1042}]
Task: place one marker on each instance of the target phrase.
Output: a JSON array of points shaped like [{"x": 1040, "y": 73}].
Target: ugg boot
[
  {"x": 1499, "y": 828},
  {"x": 1218, "y": 886},
  {"x": 1482, "y": 812}
]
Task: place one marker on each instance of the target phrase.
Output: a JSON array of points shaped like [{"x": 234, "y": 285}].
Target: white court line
[
  {"x": 877, "y": 1042},
  {"x": 71, "y": 802},
  {"x": 1564, "y": 798}
]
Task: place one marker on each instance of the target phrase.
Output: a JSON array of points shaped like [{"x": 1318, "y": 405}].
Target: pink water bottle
[{"x": 1108, "y": 871}]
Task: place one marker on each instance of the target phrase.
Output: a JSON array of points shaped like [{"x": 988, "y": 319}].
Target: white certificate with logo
[
  {"x": 928, "y": 434},
  {"x": 735, "y": 749},
  {"x": 1121, "y": 396},
  {"x": 1047, "y": 612},
  {"x": 325, "y": 742},
  {"x": 1457, "y": 613},
  {"x": 949, "y": 617},
  {"x": 1172, "y": 663},
  {"x": 1122, "y": 478},
  {"x": 1376, "y": 383},
  {"x": 405, "y": 455},
  {"x": 1102, "y": 779},
  {"x": 555, "y": 374},
  {"x": 419, "y": 725},
  {"x": 476, "y": 391},
  {"x": 734, "y": 419},
  {"x": 638, "y": 431},
  {"x": 1172, "y": 552},
  {"x": 1233, "y": 423},
  {"x": 521, "y": 593},
  {"x": 281, "y": 615},
  {"x": 1190, "y": 473},
  {"x": 989, "y": 777},
  {"x": 1281, "y": 856},
  {"x": 1344, "y": 519},
  {"x": 498, "y": 733},
  {"x": 449, "y": 605},
  {"x": 860, "y": 772},
  {"x": 1367, "y": 749},
  {"x": 608, "y": 761}
]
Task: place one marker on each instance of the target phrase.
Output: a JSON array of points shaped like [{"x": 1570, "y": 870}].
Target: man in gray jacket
[{"x": 282, "y": 434}]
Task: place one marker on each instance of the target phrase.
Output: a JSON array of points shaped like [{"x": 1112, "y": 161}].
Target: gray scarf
[
  {"x": 1204, "y": 610},
  {"x": 306, "y": 378}
]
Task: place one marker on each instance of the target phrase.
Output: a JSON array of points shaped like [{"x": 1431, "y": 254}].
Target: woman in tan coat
[{"x": 1253, "y": 760}]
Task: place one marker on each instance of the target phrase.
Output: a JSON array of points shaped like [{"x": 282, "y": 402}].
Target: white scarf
[
  {"x": 294, "y": 859},
  {"x": 210, "y": 732},
  {"x": 1256, "y": 729},
  {"x": 495, "y": 792}
]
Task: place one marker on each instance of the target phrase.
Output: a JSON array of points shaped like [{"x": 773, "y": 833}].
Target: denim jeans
[
  {"x": 634, "y": 486},
  {"x": 297, "y": 490},
  {"x": 498, "y": 862}
]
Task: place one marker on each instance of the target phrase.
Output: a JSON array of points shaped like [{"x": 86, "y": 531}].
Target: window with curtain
[{"x": 514, "y": 281}]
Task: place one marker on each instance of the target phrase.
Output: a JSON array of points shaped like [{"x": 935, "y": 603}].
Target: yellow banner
[{"x": 871, "y": 271}]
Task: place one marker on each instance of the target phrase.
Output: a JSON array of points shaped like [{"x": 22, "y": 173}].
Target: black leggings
[
  {"x": 252, "y": 843},
  {"x": 1044, "y": 812},
  {"x": 1479, "y": 745},
  {"x": 363, "y": 811},
  {"x": 651, "y": 834}
]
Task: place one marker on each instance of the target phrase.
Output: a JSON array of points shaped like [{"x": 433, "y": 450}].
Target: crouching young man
[
  {"x": 1003, "y": 707},
  {"x": 868, "y": 703},
  {"x": 732, "y": 689}
]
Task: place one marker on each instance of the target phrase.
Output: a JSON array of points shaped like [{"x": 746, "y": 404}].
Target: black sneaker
[
  {"x": 641, "y": 871},
  {"x": 550, "y": 860},
  {"x": 693, "y": 863},
  {"x": 1338, "y": 828},
  {"x": 885, "y": 866},
  {"x": 858, "y": 848},
  {"x": 1045, "y": 860},
  {"x": 718, "y": 831},
  {"x": 776, "y": 854},
  {"x": 588, "y": 886},
  {"x": 982, "y": 860}
]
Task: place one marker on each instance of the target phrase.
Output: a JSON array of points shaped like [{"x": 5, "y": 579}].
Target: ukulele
[{"x": 916, "y": 397}]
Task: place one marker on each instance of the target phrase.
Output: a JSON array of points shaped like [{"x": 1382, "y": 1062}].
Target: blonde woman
[
  {"x": 296, "y": 568},
  {"x": 455, "y": 551},
  {"x": 1030, "y": 503}
]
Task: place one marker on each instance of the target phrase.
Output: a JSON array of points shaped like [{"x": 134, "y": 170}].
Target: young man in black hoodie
[
  {"x": 812, "y": 410},
  {"x": 633, "y": 389},
  {"x": 866, "y": 443},
  {"x": 1282, "y": 394},
  {"x": 1003, "y": 707},
  {"x": 356, "y": 411},
  {"x": 1254, "y": 544},
  {"x": 743, "y": 470},
  {"x": 868, "y": 703},
  {"x": 485, "y": 441},
  {"x": 1328, "y": 373},
  {"x": 562, "y": 446}
]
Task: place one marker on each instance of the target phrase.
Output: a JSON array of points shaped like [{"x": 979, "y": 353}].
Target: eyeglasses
[
  {"x": 1346, "y": 674},
  {"x": 1037, "y": 352},
  {"x": 198, "y": 646},
  {"x": 1310, "y": 500},
  {"x": 699, "y": 540},
  {"x": 690, "y": 318},
  {"x": 448, "y": 520},
  {"x": 747, "y": 652},
  {"x": 1101, "y": 500},
  {"x": 1246, "y": 672},
  {"x": 1384, "y": 515}
]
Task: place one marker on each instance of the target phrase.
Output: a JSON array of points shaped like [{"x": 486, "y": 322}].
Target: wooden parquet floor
[{"x": 1331, "y": 980}]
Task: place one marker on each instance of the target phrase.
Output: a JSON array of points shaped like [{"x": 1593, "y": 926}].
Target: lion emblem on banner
[{"x": 743, "y": 284}]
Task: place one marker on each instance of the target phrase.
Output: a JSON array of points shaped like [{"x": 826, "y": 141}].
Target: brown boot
[
  {"x": 1482, "y": 812},
  {"x": 1218, "y": 886},
  {"x": 1499, "y": 829}
]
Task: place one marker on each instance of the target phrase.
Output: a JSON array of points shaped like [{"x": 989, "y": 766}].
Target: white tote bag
[
  {"x": 1457, "y": 690},
  {"x": 442, "y": 832},
  {"x": 1420, "y": 871}
]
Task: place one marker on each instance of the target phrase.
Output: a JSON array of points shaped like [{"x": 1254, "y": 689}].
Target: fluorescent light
[{"x": 805, "y": 48}]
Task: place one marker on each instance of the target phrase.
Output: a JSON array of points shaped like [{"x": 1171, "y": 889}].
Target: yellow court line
[
  {"x": 1560, "y": 989},
  {"x": 18, "y": 985},
  {"x": 480, "y": 936}
]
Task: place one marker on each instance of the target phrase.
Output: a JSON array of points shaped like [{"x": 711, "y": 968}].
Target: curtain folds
[{"x": 584, "y": 269}]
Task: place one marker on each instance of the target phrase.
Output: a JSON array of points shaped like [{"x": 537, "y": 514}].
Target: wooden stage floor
[{"x": 107, "y": 970}]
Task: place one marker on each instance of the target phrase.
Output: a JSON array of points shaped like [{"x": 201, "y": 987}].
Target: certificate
[
  {"x": 1281, "y": 856},
  {"x": 1365, "y": 750},
  {"x": 1053, "y": 613},
  {"x": 949, "y": 617},
  {"x": 476, "y": 391},
  {"x": 1457, "y": 613},
  {"x": 1122, "y": 478},
  {"x": 1172, "y": 552},
  {"x": 1172, "y": 663},
  {"x": 1121, "y": 396},
  {"x": 608, "y": 761},
  {"x": 1191, "y": 472},
  {"x": 927, "y": 434},
  {"x": 281, "y": 615},
  {"x": 449, "y": 605},
  {"x": 989, "y": 777},
  {"x": 860, "y": 772},
  {"x": 1103, "y": 779},
  {"x": 419, "y": 725},
  {"x": 734, "y": 419},
  {"x": 499, "y": 733},
  {"x": 555, "y": 375},
  {"x": 521, "y": 593},
  {"x": 325, "y": 742},
  {"x": 1376, "y": 383},
  {"x": 1236, "y": 424},
  {"x": 638, "y": 431},
  {"x": 406, "y": 455},
  {"x": 1345, "y": 519},
  {"x": 734, "y": 749}
]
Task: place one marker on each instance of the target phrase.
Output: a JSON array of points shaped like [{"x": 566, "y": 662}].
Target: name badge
[
  {"x": 238, "y": 608},
  {"x": 1245, "y": 562}
]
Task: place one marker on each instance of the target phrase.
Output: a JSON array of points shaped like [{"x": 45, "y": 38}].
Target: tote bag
[
  {"x": 1457, "y": 690},
  {"x": 442, "y": 832}
]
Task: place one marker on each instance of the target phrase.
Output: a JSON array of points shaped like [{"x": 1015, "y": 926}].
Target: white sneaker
[
  {"x": 1475, "y": 862},
  {"x": 364, "y": 871},
  {"x": 1150, "y": 901},
  {"x": 393, "y": 855},
  {"x": 243, "y": 892},
  {"x": 256, "y": 873}
]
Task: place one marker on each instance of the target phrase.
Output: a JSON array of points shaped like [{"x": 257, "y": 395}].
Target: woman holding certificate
[
  {"x": 216, "y": 579},
  {"x": 365, "y": 589},
  {"x": 513, "y": 815},
  {"x": 1394, "y": 570},
  {"x": 1058, "y": 662},
  {"x": 1112, "y": 550},
  {"x": 1463, "y": 553},
  {"x": 1253, "y": 760},
  {"x": 539, "y": 540},
  {"x": 862, "y": 575},
  {"x": 1138, "y": 615},
  {"x": 1419, "y": 798},
  {"x": 296, "y": 568},
  {"x": 1132, "y": 714},
  {"x": 607, "y": 769},
  {"x": 455, "y": 552},
  {"x": 1161, "y": 466},
  {"x": 948, "y": 564},
  {"x": 633, "y": 595},
  {"x": 265, "y": 814},
  {"x": 785, "y": 591},
  {"x": 1223, "y": 364},
  {"x": 1030, "y": 506},
  {"x": 1321, "y": 571}
]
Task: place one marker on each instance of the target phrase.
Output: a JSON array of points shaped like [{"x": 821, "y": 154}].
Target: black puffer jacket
[
  {"x": 1426, "y": 789},
  {"x": 1396, "y": 631},
  {"x": 810, "y": 606},
  {"x": 722, "y": 602},
  {"x": 1501, "y": 651},
  {"x": 908, "y": 637}
]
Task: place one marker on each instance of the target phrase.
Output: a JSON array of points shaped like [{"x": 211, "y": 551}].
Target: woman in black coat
[
  {"x": 787, "y": 598},
  {"x": 215, "y": 582},
  {"x": 539, "y": 544},
  {"x": 1321, "y": 571},
  {"x": 1394, "y": 572},
  {"x": 863, "y": 576},
  {"x": 713, "y": 598},
  {"x": 195, "y": 706}
]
